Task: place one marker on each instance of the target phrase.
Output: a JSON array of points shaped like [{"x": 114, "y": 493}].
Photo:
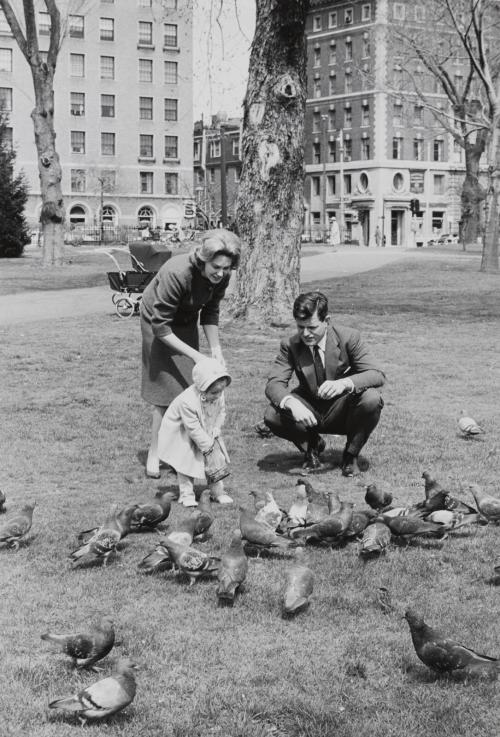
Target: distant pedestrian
[
  {"x": 334, "y": 235},
  {"x": 378, "y": 236}
]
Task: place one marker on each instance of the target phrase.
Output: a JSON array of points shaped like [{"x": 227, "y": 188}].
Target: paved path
[{"x": 26, "y": 307}]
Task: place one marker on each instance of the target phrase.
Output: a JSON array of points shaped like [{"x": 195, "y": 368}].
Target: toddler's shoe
[
  {"x": 223, "y": 499},
  {"x": 188, "y": 501}
]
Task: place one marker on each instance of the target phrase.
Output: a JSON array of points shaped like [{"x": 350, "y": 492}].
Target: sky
[{"x": 223, "y": 32}]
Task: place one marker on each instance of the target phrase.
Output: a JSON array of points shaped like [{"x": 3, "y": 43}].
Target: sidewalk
[{"x": 26, "y": 307}]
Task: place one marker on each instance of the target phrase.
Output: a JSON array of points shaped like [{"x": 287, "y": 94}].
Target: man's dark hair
[{"x": 308, "y": 303}]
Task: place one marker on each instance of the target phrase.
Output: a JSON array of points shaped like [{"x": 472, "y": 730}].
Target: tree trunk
[
  {"x": 271, "y": 200},
  {"x": 473, "y": 193},
  {"x": 49, "y": 167},
  {"x": 489, "y": 260}
]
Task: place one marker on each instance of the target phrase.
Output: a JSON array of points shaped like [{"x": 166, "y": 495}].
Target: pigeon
[
  {"x": 376, "y": 498},
  {"x": 317, "y": 504},
  {"x": 489, "y": 506},
  {"x": 330, "y": 529},
  {"x": 431, "y": 485},
  {"x": 259, "y": 536},
  {"x": 121, "y": 521},
  {"x": 444, "y": 655},
  {"x": 270, "y": 514},
  {"x": 333, "y": 502},
  {"x": 157, "y": 561},
  {"x": 3, "y": 499},
  {"x": 232, "y": 571},
  {"x": 17, "y": 526},
  {"x": 194, "y": 563},
  {"x": 203, "y": 516},
  {"x": 469, "y": 427},
  {"x": 184, "y": 531},
  {"x": 375, "y": 540},
  {"x": 298, "y": 510},
  {"x": 87, "y": 648},
  {"x": 147, "y": 517},
  {"x": 409, "y": 527},
  {"x": 105, "y": 540},
  {"x": 298, "y": 588},
  {"x": 359, "y": 522},
  {"x": 452, "y": 520},
  {"x": 258, "y": 501},
  {"x": 103, "y": 698}
]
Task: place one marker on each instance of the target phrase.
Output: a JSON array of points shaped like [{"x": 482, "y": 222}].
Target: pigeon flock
[{"x": 314, "y": 518}]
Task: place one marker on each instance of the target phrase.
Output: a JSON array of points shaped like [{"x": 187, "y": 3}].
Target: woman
[{"x": 187, "y": 287}]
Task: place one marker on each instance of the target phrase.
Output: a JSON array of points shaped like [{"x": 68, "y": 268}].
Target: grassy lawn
[{"x": 74, "y": 434}]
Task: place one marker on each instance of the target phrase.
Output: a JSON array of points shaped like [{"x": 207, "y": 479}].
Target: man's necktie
[{"x": 318, "y": 366}]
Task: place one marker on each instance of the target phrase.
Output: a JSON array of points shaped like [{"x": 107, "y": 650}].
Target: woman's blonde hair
[{"x": 216, "y": 242}]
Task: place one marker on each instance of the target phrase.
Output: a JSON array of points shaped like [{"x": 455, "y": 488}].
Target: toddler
[{"x": 190, "y": 426}]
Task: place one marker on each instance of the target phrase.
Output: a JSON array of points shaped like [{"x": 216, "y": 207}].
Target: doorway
[{"x": 397, "y": 227}]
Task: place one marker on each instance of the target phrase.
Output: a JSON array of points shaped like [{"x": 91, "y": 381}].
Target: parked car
[{"x": 443, "y": 240}]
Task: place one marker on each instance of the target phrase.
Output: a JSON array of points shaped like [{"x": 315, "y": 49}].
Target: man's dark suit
[{"x": 355, "y": 414}]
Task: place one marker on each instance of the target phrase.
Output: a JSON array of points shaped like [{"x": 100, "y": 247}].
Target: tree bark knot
[
  {"x": 46, "y": 161},
  {"x": 286, "y": 89}
]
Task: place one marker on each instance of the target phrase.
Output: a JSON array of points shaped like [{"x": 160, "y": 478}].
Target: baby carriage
[{"x": 128, "y": 286}]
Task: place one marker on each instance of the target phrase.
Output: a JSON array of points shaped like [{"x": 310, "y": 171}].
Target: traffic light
[{"x": 414, "y": 206}]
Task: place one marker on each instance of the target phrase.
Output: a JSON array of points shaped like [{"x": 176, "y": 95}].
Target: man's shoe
[
  {"x": 311, "y": 462},
  {"x": 262, "y": 430},
  {"x": 321, "y": 445},
  {"x": 350, "y": 465}
]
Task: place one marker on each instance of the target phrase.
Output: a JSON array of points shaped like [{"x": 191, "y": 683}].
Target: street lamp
[
  {"x": 341, "y": 188},
  {"x": 324, "y": 120},
  {"x": 101, "y": 181}
]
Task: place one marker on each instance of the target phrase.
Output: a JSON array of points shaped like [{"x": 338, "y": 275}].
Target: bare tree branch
[{"x": 16, "y": 29}]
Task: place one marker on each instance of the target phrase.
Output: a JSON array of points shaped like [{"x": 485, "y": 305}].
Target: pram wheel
[
  {"x": 115, "y": 297},
  {"x": 125, "y": 307}
]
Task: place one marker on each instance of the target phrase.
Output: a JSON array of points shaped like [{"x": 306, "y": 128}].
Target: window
[
  {"x": 146, "y": 146},
  {"x": 145, "y": 70},
  {"x": 365, "y": 148},
  {"x": 418, "y": 115},
  {"x": 77, "y": 103},
  {"x": 212, "y": 175},
  {"x": 145, "y": 33},
  {"x": 366, "y": 12},
  {"x": 214, "y": 148},
  {"x": 108, "y": 2},
  {"x": 77, "y": 142},
  {"x": 397, "y": 147},
  {"x": 146, "y": 182},
  {"x": 317, "y": 23},
  {"x": 397, "y": 76},
  {"x": 332, "y": 151},
  {"x": 315, "y": 186},
  {"x": 332, "y": 19},
  {"x": 332, "y": 59},
  {"x": 398, "y": 182},
  {"x": 458, "y": 80},
  {"x": 316, "y": 126},
  {"x": 236, "y": 147},
  {"x": 78, "y": 180},
  {"x": 6, "y": 98},
  {"x": 76, "y": 26},
  {"x": 331, "y": 185},
  {"x": 348, "y": 82},
  {"x": 169, "y": 34},
  {"x": 197, "y": 150},
  {"x": 347, "y": 117},
  {"x": 106, "y": 29},
  {"x": 170, "y": 109},
  {"x": 237, "y": 174},
  {"x": 43, "y": 24},
  {"x": 418, "y": 149},
  {"x": 439, "y": 187},
  {"x": 77, "y": 65},
  {"x": 107, "y": 64},
  {"x": 419, "y": 13},
  {"x": 146, "y": 108},
  {"x": 170, "y": 72},
  {"x": 316, "y": 57},
  {"x": 332, "y": 84},
  {"x": 200, "y": 176},
  {"x": 4, "y": 26},
  {"x": 169, "y": 4},
  {"x": 108, "y": 215},
  {"x": 438, "y": 150},
  {"x": 316, "y": 148},
  {"x": 365, "y": 114},
  {"x": 8, "y": 137},
  {"x": 363, "y": 181},
  {"x": 171, "y": 147},
  {"x": 107, "y": 178},
  {"x": 348, "y": 16},
  {"x": 348, "y": 50},
  {"x": 107, "y": 106},
  {"x": 108, "y": 144},
  {"x": 347, "y": 184},
  {"x": 5, "y": 60},
  {"x": 171, "y": 183},
  {"x": 397, "y": 114},
  {"x": 317, "y": 88},
  {"x": 331, "y": 119},
  {"x": 348, "y": 149},
  {"x": 398, "y": 11},
  {"x": 145, "y": 3},
  {"x": 366, "y": 50},
  {"x": 77, "y": 215},
  {"x": 145, "y": 216}
]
